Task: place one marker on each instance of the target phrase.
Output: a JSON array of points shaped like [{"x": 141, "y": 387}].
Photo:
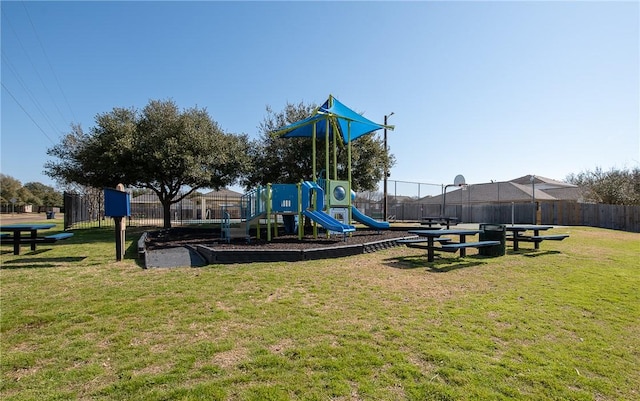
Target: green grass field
[{"x": 562, "y": 323}]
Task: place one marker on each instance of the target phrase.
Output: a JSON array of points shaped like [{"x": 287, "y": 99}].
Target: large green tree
[
  {"x": 9, "y": 188},
  {"x": 31, "y": 193},
  {"x": 288, "y": 160},
  {"x": 615, "y": 187},
  {"x": 12, "y": 189},
  {"x": 170, "y": 151},
  {"x": 46, "y": 195}
]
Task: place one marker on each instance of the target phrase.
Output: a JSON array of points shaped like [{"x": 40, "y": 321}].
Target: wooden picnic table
[
  {"x": 433, "y": 236},
  {"x": 32, "y": 238},
  {"x": 518, "y": 234}
]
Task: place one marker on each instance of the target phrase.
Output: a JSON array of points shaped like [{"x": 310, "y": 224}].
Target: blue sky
[{"x": 489, "y": 90}]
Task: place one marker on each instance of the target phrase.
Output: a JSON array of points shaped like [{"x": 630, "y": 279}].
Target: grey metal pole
[
  {"x": 533, "y": 196},
  {"x": 444, "y": 199}
]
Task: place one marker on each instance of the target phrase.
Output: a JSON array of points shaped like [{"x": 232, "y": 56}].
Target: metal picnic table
[
  {"x": 518, "y": 235},
  {"x": 441, "y": 220},
  {"x": 431, "y": 235},
  {"x": 17, "y": 238}
]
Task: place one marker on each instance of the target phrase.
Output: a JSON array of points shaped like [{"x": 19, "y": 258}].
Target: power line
[
  {"x": 24, "y": 50},
  {"x": 48, "y": 61},
  {"x": 33, "y": 98},
  {"x": 27, "y": 113}
]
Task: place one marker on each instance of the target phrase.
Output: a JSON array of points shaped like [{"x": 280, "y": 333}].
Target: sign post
[{"x": 117, "y": 204}]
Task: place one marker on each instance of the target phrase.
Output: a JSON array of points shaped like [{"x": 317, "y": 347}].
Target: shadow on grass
[
  {"x": 532, "y": 253},
  {"x": 39, "y": 262},
  {"x": 439, "y": 265},
  {"x": 132, "y": 253},
  {"x": 22, "y": 252}
]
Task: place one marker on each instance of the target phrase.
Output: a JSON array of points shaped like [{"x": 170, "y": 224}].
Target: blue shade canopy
[{"x": 342, "y": 121}]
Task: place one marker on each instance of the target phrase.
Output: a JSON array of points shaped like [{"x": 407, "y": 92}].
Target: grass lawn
[{"x": 561, "y": 323}]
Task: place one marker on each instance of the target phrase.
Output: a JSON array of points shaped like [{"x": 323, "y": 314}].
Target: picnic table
[
  {"x": 440, "y": 220},
  {"x": 518, "y": 233},
  {"x": 447, "y": 244},
  {"x": 17, "y": 238}
]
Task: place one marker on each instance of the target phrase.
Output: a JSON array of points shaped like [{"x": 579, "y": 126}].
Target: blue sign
[{"x": 116, "y": 203}]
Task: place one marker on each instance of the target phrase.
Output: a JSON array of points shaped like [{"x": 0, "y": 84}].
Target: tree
[
  {"x": 288, "y": 160},
  {"x": 615, "y": 187},
  {"x": 46, "y": 195},
  {"x": 9, "y": 188},
  {"x": 280, "y": 160},
  {"x": 31, "y": 193},
  {"x": 26, "y": 197},
  {"x": 162, "y": 148}
]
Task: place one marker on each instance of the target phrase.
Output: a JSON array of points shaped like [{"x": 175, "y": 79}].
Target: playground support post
[
  {"x": 300, "y": 220},
  {"x": 326, "y": 150},
  {"x": 348, "y": 171},
  {"x": 335, "y": 154},
  {"x": 268, "y": 208},
  {"x": 313, "y": 152},
  {"x": 386, "y": 170},
  {"x": 256, "y": 209},
  {"x": 315, "y": 207}
]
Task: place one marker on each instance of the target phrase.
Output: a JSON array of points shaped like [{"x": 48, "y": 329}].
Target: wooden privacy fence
[{"x": 617, "y": 217}]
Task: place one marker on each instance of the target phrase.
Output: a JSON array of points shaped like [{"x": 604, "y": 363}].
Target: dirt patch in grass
[{"x": 231, "y": 358}]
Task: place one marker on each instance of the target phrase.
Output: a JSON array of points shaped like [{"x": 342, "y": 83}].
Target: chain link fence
[
  {"x": 406, "y": 202},
  {"x": 87, "y": 210}
]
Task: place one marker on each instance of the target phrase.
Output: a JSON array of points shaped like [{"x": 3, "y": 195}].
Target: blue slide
[
  {"x": 328, "y": 222},
  {"x": 368, "y": 221}
]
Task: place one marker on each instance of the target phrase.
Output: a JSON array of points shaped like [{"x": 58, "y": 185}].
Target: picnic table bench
[
  {"x": 454, "y": 246},
  {"x": 38, "y": 240},
  {"x": 517, "y": 235},
  {"x": 56, "y": 237},
  {"x": 445, "y": 244},
  {"x": 32, "y": 238},
  {"x": 421, "y": 242}
]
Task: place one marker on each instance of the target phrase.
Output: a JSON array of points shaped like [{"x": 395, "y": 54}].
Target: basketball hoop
[{"x": 459, "y": 180}]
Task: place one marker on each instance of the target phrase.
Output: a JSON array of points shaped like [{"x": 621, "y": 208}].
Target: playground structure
[
  {"x": 294, "y": 202},
  {"x": 327, "y": 202}
]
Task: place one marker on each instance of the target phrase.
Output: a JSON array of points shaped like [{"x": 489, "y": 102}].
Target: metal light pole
[
  {"x": 386, "y": 170},
  {"x": 533, "y": 196}
]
